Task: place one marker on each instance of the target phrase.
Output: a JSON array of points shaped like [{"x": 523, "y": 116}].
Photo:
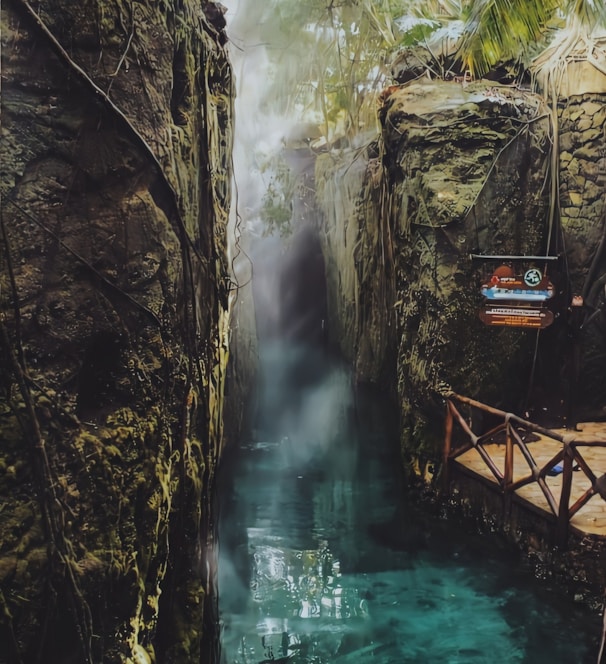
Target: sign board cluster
[{"x": 517, "y": 300}]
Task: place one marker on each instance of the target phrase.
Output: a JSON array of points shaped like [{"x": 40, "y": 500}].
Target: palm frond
[
  {"x": 502, "y": 29},
  {"x": 590, "y": 13}
]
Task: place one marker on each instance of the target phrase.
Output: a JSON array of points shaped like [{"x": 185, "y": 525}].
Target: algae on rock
[
  {"x": 358, "y": 253},
  {"x": 466, "y": 169},
  {"x": 456, "y": 170},
  {"x": 116, "y": 182}
]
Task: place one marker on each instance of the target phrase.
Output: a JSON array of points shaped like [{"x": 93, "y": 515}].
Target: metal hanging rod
[{"x": 513, "y": 258}]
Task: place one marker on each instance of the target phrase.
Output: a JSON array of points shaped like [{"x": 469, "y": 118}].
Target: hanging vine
[{"x": 150, "y": 451}]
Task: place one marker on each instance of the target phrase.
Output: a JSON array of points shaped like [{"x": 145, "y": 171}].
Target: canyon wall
[
  {"x": 582, "y": 177},
  {"x": 116, "y": 142},
  {"x": 464, "y": 169}
]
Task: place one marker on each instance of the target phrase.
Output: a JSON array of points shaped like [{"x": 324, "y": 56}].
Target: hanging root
[{"x": 59, "y": 547}]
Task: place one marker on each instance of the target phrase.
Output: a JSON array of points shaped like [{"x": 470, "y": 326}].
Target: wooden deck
[{"x": 591, "y": 518}]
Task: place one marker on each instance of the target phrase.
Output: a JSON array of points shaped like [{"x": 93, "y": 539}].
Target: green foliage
[
  {"x": 500, "y": 30},
  {"x": 276, "y": 211},
  {"x": 336, "y": 55},
  {"x": 329, "y": 60},
  {"x": 416, "y": 30},
  {"x": 333, "y": 55}
]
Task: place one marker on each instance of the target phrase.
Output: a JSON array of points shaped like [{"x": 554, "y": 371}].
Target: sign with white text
[{"x": 512, "y": 316}]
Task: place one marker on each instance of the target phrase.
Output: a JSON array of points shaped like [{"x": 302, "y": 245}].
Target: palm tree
[
  {"x": 336, "y": 54},
  {"x": 331, "y": 59},
  {"x": 499, "y": 30}
]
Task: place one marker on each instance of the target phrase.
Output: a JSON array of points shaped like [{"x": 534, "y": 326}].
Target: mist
[
  {"x": 321, "y": 556},
  {"x": 272, "y": 519},
  {"x": 302, "y": 395}
]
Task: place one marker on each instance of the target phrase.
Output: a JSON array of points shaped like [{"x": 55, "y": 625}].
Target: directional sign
[
  {"x": 532, "y": 287},
  {"x": 511, "y": 316},
  {"x": 515, "y": 292}
]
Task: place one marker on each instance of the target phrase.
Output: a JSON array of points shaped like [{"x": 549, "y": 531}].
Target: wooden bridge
[{"x": 561, "y": 474}]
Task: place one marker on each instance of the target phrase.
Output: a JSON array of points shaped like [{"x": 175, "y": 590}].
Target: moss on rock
[
  {"x": 461, "y": 170},
  {"x": 116, "y": 140}
]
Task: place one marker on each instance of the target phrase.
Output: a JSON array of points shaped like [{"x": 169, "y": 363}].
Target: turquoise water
[{"x": 323, "y": 559}]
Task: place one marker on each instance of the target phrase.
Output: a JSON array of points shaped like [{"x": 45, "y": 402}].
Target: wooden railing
[{"x": 569, "y": 455}]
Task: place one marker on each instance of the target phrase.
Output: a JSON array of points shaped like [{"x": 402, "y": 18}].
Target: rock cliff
[
  {"x": 460, "y": 169},
  {"x": 466, "y": 168},
  {"x": 582, "y": 160},
  {"x": 116, "y": 142}
]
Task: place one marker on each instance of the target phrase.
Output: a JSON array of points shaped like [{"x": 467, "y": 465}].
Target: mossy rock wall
[
  {"x": 462, "y": 169},
  {"x": 115, "y": 183},
  {"x": 582, "y": 158},
  {"x": 357, "y": 246},
  {"x": 457, "y": 170},
  {"x": 467, "y": 169}
]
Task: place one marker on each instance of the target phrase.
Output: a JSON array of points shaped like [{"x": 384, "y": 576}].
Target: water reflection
[{"x": 323, "y": 561}]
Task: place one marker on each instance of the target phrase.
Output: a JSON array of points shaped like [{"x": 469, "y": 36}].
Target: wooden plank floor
[{"x": 591, "y": 518}]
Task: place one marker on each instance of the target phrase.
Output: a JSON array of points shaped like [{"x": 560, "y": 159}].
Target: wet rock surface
[
  {"x": 465, "y": 167},
  {"x": 461, "y": 170},
  {"x": 357, "y": 247},
  {"x": 116, "y": 136},
  {"x": 579, "y": 567}
]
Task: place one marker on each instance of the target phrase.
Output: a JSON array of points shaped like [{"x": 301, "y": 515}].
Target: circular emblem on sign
[{"x": 532, "y": 277}]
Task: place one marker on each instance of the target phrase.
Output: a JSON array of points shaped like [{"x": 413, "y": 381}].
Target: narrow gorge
[{"x": 157, "y": 247}]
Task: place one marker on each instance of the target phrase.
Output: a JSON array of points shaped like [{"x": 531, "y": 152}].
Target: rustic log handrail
[{"x": 569, "y": 455}]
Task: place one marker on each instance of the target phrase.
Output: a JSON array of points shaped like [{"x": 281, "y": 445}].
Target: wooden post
[
  {"x": 508, "y": 474},
  {"x": 448, "y": 423},
  {"x": 564, "y": 511}
]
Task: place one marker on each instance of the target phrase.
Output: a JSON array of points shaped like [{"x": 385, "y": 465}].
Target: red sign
[{"x": 512, "y": 316}]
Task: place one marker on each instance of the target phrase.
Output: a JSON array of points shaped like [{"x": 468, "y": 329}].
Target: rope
[
  {"x": 603, "y": 641},
  {"x": 532, "y": 370}
]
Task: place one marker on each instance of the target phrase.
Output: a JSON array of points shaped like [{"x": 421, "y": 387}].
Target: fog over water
[{"x": 322, "y": 559}]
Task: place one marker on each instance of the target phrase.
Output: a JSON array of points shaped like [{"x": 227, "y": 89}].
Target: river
[{"x": 324, "y": 559}]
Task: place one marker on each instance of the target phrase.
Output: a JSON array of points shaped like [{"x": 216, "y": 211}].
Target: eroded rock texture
[
  {"x": 461, "y": 170},
  {"x": 456, "y": 171},
  {"x": 115, "y": 183},
  {"x": 467, "y": 169},
  {"x": 357, "y": 245},
  {"x": 582, "y": 142}
]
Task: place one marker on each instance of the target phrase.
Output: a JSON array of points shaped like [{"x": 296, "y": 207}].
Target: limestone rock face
[
  {"x": 463, "y": 169},
  {"x": 115, "y": 184},
  {"x": 582, "y": 179},
  {"x": 457, "y": 170},
  {"x": 466, "y": 168},
  {"x": 582, "y": 176},
  {"x": 355, "y": 235}
]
